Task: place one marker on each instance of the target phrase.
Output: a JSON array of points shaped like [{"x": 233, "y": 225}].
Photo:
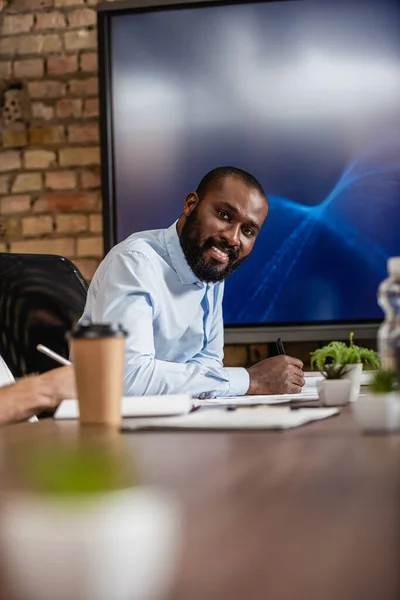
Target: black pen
[
  {"x": 217, "y": 406},
  {"x": 302, "y": 406},
  {"x": 280, "y": 347}
]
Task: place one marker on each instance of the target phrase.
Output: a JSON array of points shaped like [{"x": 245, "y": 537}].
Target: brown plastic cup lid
[{"x": 97, "y": 330}]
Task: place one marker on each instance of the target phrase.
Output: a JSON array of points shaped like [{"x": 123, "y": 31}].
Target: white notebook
[
  {"x": 244, "y": 418},
  {"x": 135, "y": 406},
  {"x": 304, "y": 396},
  {"x": 245, "y": 400},
  {"x": 309, "y": 392}
]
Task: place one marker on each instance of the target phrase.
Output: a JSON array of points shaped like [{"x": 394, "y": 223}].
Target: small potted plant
[
  {"x": 88, "y": 529},
  {"x": 379, "y": 409},
  {"x": 353, "y": 356},
  {"x": 334, "y": 389}
]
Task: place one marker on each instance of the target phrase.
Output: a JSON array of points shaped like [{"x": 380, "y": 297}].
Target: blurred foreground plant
[{"x": 76, "y": 471}]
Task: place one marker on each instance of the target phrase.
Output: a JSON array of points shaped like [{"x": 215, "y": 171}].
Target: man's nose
[{"x": 231, "y": 235}]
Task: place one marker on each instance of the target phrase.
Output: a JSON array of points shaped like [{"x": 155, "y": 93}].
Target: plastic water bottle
[{"x": 389, "y": 331}]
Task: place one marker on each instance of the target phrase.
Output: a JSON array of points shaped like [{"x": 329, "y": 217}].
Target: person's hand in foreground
[
  {"x": 36, "y": 393},
  {"x": 277, "y": 375}
]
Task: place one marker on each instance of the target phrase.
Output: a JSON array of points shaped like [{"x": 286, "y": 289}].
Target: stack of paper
[
  {"x": 246, "y": 400},
  {"x": 143, "y": 406},
  {"x": 309, "y": 392},
  {"x": 243, "y": 418}
]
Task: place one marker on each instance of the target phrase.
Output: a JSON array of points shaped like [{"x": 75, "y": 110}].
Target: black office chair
[{"x": 41, "y": 298}]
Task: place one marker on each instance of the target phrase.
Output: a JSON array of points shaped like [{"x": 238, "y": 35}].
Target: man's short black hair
[{"x": 216, "y": 176}]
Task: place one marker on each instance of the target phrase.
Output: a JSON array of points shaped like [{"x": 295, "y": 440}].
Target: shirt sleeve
[
  {"x": 212, "y": 353},
  {"x": 128, "y": 294}
]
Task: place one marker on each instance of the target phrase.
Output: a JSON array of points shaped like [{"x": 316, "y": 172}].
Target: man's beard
[{"x": 209, "y": 271}]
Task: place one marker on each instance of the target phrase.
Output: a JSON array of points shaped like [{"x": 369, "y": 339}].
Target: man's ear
[{"x": 191, "y": 202}]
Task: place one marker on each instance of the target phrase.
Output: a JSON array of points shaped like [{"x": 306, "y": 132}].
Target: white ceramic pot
[
  {"x": 120, "y": 545},
  {"x": 378, "y": 412},
  {"x": 354, "y": 373},
  {"x": 334, "y": 392}
]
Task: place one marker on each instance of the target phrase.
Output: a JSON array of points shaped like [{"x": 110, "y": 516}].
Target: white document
[
  {"x": 267, "y": 399},
  {"x": 244, "y": 418},
  {"x": 367, "y": 377},
  {"x": 245, "y": 400},
  {"x": 6, "y": 377},
  {"x": 309, "y": 392},
  {"x": 314, "y": 377},
  {"x": 132, "y": 406}
]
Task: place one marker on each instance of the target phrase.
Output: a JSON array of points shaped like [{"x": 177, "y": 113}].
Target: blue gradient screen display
[{"x": 306, "y": 96}]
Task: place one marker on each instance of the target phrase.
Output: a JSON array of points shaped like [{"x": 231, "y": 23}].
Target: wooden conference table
[{"x": 312, "y": 513}]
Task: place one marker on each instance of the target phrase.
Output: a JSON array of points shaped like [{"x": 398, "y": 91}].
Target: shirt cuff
[{"x": 239, "y": 381}]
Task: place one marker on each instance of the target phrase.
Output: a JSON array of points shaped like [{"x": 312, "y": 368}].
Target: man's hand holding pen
[{"x": 277, "y": 375}]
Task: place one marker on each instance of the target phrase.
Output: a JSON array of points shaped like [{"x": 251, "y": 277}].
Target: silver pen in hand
[{"x": 53, "y": 355}]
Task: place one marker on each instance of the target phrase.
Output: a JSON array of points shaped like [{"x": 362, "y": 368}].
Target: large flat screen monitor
[{"x": 305, "y": 95}]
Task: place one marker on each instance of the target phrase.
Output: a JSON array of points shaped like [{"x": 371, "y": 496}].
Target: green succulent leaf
[{"x": 339, "y": 353}]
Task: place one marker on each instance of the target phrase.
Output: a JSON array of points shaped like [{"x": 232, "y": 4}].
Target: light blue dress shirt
[{"x": 174, "y": 321}]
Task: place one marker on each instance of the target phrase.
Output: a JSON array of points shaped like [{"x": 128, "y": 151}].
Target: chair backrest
[{"x": 41, "y": 298}]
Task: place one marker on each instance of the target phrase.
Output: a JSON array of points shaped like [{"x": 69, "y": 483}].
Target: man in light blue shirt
[{"x": 165, "y": 287}]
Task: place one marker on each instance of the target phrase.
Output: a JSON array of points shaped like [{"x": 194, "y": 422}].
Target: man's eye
[
  {"x": 223, "y": 214},
  {"x": 247, "y": 231}
]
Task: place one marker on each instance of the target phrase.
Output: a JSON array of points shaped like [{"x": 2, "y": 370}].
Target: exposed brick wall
[{"x": 49, "y": 155}]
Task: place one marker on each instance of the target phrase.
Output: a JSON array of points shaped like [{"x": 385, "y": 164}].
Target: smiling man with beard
[{"x": 165, "y": 287}]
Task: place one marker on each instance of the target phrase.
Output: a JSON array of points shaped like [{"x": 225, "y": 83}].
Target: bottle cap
[
  {"x": 97, "y": 330},
  {"x": 393, "y": 266}
]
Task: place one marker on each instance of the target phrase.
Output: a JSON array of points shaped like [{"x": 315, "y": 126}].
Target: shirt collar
[{"x": 178, "y": 258}]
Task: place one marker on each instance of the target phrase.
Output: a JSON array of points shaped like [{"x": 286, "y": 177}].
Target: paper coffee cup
[{"x": 98, "y": 357}]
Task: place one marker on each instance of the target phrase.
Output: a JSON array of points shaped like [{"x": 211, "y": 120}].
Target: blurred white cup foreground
[{"x": 121, "y": 545}]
